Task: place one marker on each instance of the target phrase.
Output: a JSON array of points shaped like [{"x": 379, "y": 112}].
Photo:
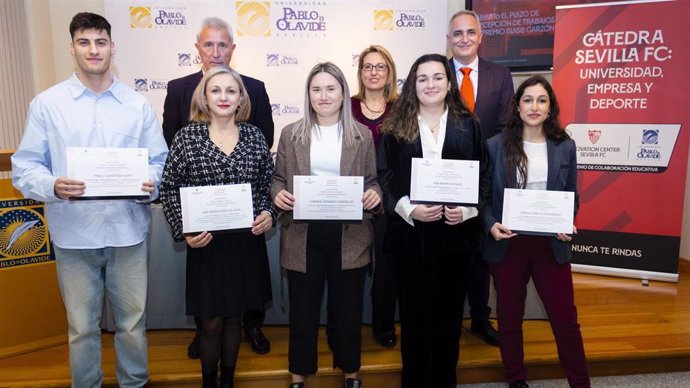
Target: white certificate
[
  {"x": 223, "y": 207},
  {"x": 330, "y": 198},
  {"x": 444, "y": 181},
  {"x": 540, "y": 212},
  {"x": 109, "y": 173}
]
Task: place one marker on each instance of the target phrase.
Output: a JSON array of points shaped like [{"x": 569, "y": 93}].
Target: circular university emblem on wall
[
  {"x": 22, "y": 232},
  {"x": 253, "y": 18}
]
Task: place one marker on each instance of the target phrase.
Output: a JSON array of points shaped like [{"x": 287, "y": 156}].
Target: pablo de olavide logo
[
  {"x": 272, "y": 60},
  {"x": 146, "y": 84},
  {"x": 140, "y": 17},
  {"x": 275, "y": 109},
  {"x": 279, "y": 109},
  {"x": 184, "y": 59},
  {"x": 650, "y": 136},
  {"x": 23, "y": 233},
  {"x": 253, "y": 18},
  {"x": 276, "y": 60},
  {"x": 301, "y": 18},
  {"x": 141, "y": 84},
  {"x": 400, "y": 19},
  {"x": 147, "y": 17},
  {"x": 650, "y": 148},
  {"x": 188, "y": 59},
  {"x": 383, "y": 20}
]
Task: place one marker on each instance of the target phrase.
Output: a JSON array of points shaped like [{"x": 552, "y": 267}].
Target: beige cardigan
[{"x": 293, "y": 159}]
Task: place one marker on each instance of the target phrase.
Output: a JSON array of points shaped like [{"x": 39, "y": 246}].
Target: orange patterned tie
[{"x": 466, "y": 89}]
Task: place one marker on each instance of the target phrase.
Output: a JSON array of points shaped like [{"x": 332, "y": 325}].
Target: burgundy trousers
[{"x": 531, "y": 256}]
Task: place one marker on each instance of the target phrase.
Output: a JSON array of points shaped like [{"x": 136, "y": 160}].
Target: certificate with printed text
[
  {"x": 538, "y": 212},
  {"x": 213, "y": 208},
  {"x": 328, "y": 198},
  {"x": 444, "y": 181},
  {"x": 109, "y": 173}
]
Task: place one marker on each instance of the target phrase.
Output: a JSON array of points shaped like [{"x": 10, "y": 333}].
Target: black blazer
[
  {"x": 494, "y": 95},
  {"x": 178, "y": 102},
  {"x": 562, "y": 176},
  {"x": 463, "y": 141}
]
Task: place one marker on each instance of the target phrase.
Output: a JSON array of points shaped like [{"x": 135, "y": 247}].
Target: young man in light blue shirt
[{"x": 100, "y": 245}]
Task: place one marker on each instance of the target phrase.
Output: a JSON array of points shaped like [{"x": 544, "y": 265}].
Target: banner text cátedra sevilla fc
[{"x": 621, "y": 78}]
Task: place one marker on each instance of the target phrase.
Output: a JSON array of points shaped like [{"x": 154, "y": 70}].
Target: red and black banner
[{"x": 620, "y": 73}]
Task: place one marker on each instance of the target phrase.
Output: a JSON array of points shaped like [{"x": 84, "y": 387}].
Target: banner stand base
[{"x": 626, "y": 273}]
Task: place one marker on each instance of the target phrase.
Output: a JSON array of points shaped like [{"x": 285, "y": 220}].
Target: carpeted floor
[{"x": 660, "y": 380}]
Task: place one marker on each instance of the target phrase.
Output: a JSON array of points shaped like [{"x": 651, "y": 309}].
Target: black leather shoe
[
  {"x": 353, "y": 383},
  {"x": 486, "y": 332},
  {"x": 193, "y": 348},
  {"x": 387, "y": 342},
  {"x": 518, "y": 384},
  {"x": 257, "y": 340}
]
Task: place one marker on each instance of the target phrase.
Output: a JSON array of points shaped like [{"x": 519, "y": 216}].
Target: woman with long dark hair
[
  {"x": 534, "y": 153},
  {"x": 434, "y": 243}
]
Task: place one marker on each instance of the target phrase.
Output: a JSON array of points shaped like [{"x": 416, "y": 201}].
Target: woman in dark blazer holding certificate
[
  {"x": 434, "y": 243},
  {"x": 327, "y": 142},
  {"x": 534, "y": 153},
  {"x": 227, "y": 273}
]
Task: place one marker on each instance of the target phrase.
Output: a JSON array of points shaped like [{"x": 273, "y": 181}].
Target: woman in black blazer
[
  {"x": 536, "y": 153},
  {"x": 434, "y": 244}
]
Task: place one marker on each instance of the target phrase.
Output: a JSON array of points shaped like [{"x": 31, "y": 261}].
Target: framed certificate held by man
[
  {"x": 328, "y": 198},
  {"x": 109, "y": 173},
  {"x": 538, "y": 212},
  {"x": 444, "y": 182},
  {"x": 216, "y": 208}
]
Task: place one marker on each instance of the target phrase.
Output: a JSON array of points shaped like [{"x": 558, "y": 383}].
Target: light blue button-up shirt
[{"x": 71, "y": 115}]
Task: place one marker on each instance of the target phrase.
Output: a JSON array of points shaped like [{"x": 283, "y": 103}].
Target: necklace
[
  {"x": 380, "y": 110},
  {"x": 434, "y": 127},
  {"x": 217, "y": 141}
]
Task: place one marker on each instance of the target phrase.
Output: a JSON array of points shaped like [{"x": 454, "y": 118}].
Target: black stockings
[{"x": 219, "y": 340}]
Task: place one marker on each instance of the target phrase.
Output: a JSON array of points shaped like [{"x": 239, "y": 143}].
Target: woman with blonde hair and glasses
[
  {"x": 327, "y": 142},
  {"x": 227, "y": 274},
  {"x": 378, "y": 89}
]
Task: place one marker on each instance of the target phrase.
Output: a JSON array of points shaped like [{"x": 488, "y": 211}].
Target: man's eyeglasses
[{"x": 378, "y": 67}]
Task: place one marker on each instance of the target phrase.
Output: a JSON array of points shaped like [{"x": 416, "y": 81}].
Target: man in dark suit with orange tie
[
  {"x": 487, "y": 89},
  {"x": 215, "y": 45}
]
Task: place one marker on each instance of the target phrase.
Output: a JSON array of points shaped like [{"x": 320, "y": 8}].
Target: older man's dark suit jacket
[
  {"x": 179, "y": 99},
  {"x": 494, "y": 95},
  {"x": 562, "y": 176}
]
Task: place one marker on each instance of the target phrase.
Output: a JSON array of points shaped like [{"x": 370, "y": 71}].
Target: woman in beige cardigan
[{"x": 327, "y": 141}]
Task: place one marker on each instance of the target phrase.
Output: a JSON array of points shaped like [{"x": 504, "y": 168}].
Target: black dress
[{"x": 231, "y": 274}]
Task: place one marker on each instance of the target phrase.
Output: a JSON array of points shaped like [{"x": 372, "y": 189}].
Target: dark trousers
[
  {"x": 345, "y": 297},
  {"x": 432, "y": 294},
  {"x": 478, "y": 289},
  {"x": 384, "y": 287},
  {"x": 532, "y": 256}
]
